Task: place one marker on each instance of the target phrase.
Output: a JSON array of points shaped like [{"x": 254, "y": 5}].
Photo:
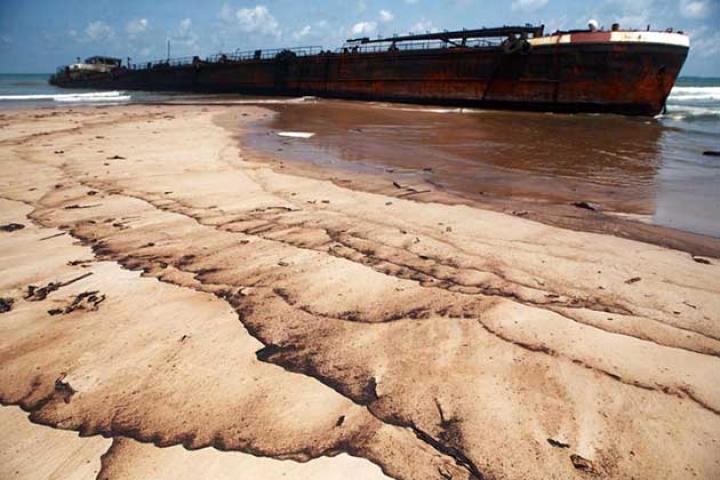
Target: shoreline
[
  {"x": 412, "y": 183},
  {"x": 234, "y": 304}
]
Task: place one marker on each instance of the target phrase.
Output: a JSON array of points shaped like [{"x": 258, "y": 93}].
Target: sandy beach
[{"x": 193, "y": 309}]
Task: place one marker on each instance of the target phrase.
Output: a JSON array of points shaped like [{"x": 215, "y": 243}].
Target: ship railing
[
  {"x": 236, "y": 56},
  {"x": 250, "y": 55},
  {"x": 351, "y": 48},
  {"x": 259, "y": 54},
  {"x": 164, "y": 63}
]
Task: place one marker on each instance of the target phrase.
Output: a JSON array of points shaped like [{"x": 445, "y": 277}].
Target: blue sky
[{"x": 38, "y": 35}]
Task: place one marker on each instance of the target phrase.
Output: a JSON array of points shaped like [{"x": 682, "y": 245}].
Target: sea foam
[
  {"x": 695, "y": 93},
  {"x": 113, "y": 96}
]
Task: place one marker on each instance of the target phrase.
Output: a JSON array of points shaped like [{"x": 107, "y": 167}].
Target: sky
[{"x": 36, "y": 36}]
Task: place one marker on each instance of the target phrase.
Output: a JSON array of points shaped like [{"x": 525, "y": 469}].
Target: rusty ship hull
[{"x": 629, "y": 73}]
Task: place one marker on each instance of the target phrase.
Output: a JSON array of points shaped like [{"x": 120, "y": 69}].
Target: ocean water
[
  {"x": 695, "y": 98},
  {"x": 654, "y": 168},
  {"x": 30, "y": 90},
  {"x": 688, "y": 195}
]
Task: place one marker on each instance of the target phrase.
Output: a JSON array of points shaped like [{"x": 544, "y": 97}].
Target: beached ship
[{"x": 520, "y": 67}]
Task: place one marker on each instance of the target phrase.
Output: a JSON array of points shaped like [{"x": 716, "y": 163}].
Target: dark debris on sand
[
  {"x": 702, "y": 260},
  {"x": 37, "y": 294},
  {"x": 11, "y": 227},
  {"x": 6, "y": 304},
  {"x": 558, "y": 443},
  {"x": 64, "y": 389},
  {"x": 582, "y": 464},
  {"x": 88, "y": 301},
  {"x": 587, "y": 206}
]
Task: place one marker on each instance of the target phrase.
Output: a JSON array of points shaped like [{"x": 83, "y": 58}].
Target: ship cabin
[
  {"x": 95, "y": 64},
  {"x": 108, "y": 61}
]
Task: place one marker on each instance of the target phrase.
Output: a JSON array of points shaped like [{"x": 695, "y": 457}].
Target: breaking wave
[
  {"x": 685, "y": 112},
  {"x": 695, "y": 93},
  {"x": 113, "y": 96},
  {"x": 693, "y": 103}
]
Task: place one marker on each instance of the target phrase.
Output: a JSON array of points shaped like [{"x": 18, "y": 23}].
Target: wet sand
[{"x": 208, "y": 308}]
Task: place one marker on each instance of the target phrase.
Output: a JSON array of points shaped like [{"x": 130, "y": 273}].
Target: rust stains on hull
[{"x": 626, "y": 78}]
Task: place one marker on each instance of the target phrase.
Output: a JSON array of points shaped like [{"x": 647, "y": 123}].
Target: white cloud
[
  {"x": 423, "y": 26},
  {"x": 227, "y": 13},
  {"x": 302, "y": 33},
  {"x": 185, "y": 37},
  {"x": 138, "y": 38},
  {"x": 528, "y": 5},
  {"x": 257, "y": 19},
  {"x": 560, "y": 23},
  {"x": 694, "y": 8},
  {"x": 136, "y": 27},
  {"x": 320, "y": 32},
  {"x": 363, "y": 28},
  {"x": 185, "y": 25},
  {"x": 386, "y": 16},
  {"x": 628, "y": 13},
  {"x": 704, "y": 43},
  {"x": 98, "y": 31}
]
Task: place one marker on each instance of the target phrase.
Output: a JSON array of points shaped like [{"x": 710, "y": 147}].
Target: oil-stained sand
[
  {"x": 296, "y": 319},
  {"x": 33, "y": 451}
]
